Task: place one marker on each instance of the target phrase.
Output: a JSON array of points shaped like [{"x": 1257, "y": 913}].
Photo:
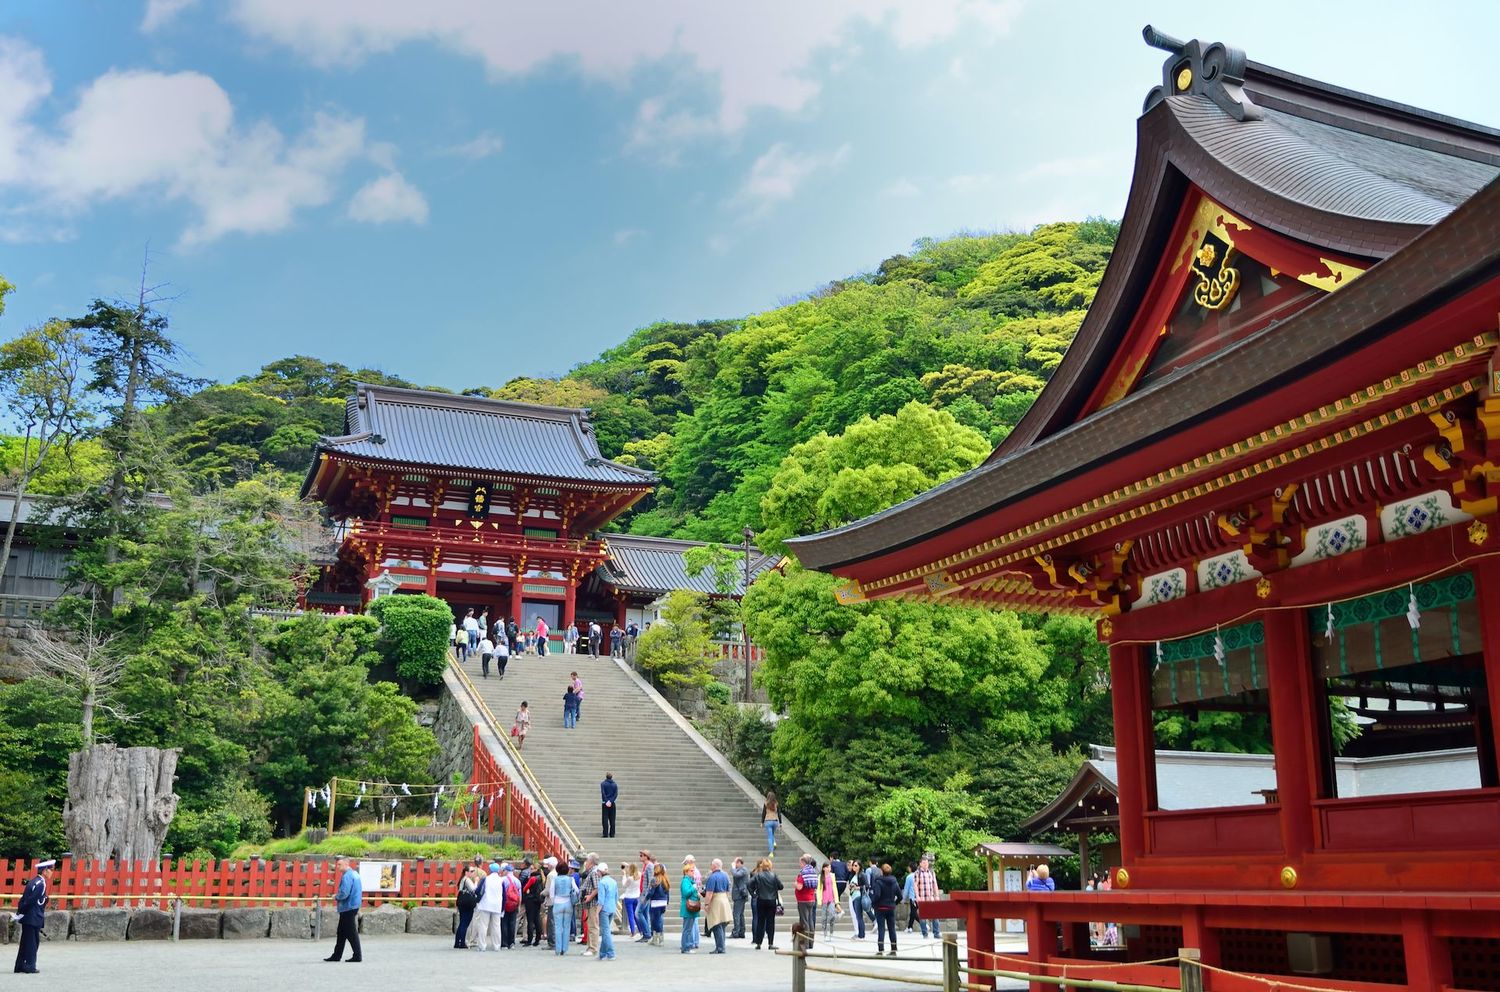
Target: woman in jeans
[
  {"x": 690, "y": 895},
  {"x": 828, "y": 897},
  {"x": 564, "y": 891},
  {"x": 657, "y": 897},
  {"x": 886, "y": 894},
  {"x": 770, "y": 818},
  {"x": 630, "y": 892},
  {"x": 764, "y": 886}
]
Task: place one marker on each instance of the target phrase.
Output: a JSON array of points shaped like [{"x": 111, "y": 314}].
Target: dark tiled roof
[
  {"x": 1320, "y": 164},
  {"x": 656, "y": 565},
  {"x": 1333, "y": 169},
  {"x": 419, "y": 427}
]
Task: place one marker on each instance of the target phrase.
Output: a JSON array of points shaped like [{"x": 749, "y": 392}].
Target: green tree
[
  {"x": 42, "y": 389},
  {"x": 876, "y": 463},
  {"x": 913, "y": 821},
  {"x": 676, "y": 650},
  {"x": 414, "y": 634}
]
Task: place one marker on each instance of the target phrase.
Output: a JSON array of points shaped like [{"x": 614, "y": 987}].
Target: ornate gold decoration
[
  {"x": 1339, "y": 275},
  {"x": 1184, "y": 79},
  {"x": 1179, "y": 474},
  {"x": 1217, "y": 280},
  {"x": 1106, "y": 629},
  {"x": 1288, "y": 877},
  {"x": 848, "y": 593},
  {"x": 1479, "y": 532},
  {"x": 1263, "y": 588},
  {"x": 1122, "y": 878}
]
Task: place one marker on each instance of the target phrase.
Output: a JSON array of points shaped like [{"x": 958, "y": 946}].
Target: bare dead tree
[{"x": 78, "y": 663}]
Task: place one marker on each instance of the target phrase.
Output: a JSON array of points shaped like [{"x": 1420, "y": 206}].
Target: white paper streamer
[
  {"x": 1328, "y": 634},
  {"x": 1413, "y": 613}
]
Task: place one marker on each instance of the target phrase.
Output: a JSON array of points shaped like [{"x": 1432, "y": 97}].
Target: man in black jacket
[
  {"x": 609, "y": 792},
  {"x": 32, "y": 915}
]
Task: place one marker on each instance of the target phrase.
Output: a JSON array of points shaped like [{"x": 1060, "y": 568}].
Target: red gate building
[{"x": 1264, "y": 466}]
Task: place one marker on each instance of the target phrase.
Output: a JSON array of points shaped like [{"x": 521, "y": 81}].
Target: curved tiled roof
[
  {"x": 1333, "y": 169},
  {"x": 421, "y": 427},
  {"x": 656, "y": 565}
]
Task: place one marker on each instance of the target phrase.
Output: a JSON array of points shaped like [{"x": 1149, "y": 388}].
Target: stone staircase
[{"x": 678, "y": 795}]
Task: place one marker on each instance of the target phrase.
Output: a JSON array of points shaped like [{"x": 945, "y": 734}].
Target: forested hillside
[{"x": 905, "y": 725}]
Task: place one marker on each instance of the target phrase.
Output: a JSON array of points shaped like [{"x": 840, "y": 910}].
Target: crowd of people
[
  {"x": 497, "y": 643},
  {"x": 585, "y": 901}
]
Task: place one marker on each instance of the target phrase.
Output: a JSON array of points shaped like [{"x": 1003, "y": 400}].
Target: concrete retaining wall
[{"x": 241, "y": 923}]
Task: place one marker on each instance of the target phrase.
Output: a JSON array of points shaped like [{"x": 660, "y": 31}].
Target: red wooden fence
[
  {"x": 82, "y": 884},
  {"x": 511, "y": 812}
]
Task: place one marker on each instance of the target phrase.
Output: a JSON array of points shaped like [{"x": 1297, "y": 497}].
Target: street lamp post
[{"x": 744, "y": 625}]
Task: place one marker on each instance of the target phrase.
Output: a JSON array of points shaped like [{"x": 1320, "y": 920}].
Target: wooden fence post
[
  {"x": 799, "y": 964},
  {"x": 317, "y": 919},
  {"x": 176, "y": 918},
  {"x": 952, "y": 980},
  {"x": 1190, "y": 976}
]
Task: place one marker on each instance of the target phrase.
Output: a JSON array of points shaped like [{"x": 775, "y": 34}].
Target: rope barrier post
[
  {"x": 176, "y": 918},
  {"x": 318, "y": 919},
  {"x": 333, "y": 802},
  {"x": 799, "y": 964},
  {"x": 1190, "y": 976},
  {"x": 952, "y": 980}
]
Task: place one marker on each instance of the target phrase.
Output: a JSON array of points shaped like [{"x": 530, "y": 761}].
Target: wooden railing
[
  {"x": 157, "y": 884},
  {"x": 13, "y": 607},
  {"x": 512, "y": 813}
]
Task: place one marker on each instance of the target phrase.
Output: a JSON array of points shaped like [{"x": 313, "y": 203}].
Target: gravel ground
[{"x": 411, "y": 963}]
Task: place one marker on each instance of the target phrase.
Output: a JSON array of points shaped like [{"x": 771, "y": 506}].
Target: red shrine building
[
  {"x": 492, "y": 506},
  {"x": 1265, "y": 468}
]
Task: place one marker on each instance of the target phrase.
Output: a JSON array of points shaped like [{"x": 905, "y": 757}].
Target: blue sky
[{"x": 462, "y": 191}]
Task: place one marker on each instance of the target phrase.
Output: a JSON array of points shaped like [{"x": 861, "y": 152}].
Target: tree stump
[{"x": 120, "y": 802}]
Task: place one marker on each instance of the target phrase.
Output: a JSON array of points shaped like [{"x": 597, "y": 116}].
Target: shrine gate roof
[
  {"x": 1407, "y": 192},
  {"x": 656, "y": 565},
  {"x": 424, "y": 428}
]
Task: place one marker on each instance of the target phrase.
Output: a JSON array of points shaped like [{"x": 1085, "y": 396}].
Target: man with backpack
[{"x": 510, "y": 888}]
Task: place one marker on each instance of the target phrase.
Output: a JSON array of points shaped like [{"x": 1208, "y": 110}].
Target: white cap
[
  {"x": 603, "y": 868},
  {"x": 49, "y": 863},
  {"x": 689, "y": 860}
]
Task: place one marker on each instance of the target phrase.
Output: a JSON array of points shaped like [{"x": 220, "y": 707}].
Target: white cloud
[
  {"x": 170, "y": 136},
  {"x": 481, "y": 146},
  {"x": 902, "y": 188},
  {"x": 1066, "y": 168},
  {"x": 756, "y": 55},
  {"x": 779, "y": 173},
  {"x": 389, "y": 198},
  {"x": 628, "y": 234},
  {"x": 971, "y": 183},
  {"x": 720, "y": 244},
  {"x": 159, "y": 12}
]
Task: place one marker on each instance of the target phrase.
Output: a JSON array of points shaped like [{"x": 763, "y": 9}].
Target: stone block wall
[{"x": 238, "y": 923}]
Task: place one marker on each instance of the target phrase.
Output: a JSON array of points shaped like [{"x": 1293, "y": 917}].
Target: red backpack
[{"x": 512, "y": 895}]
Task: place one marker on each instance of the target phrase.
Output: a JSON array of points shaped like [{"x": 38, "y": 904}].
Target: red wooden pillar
[
  {"x": 1041, "y": 945},
  {"x": 1135, "y": 746},
  {"x": 570, "y": 603},
  {"x": 1429, "y": 965},
  {"x": 1196, "y": 934},
  {"x": 1487, "y": 592},
  {"x": 981, "y": 934},
  {"x": 1295, "y": 726},
  {"x": 620, "y": 606},
  {"x": 432, "y": 582}
]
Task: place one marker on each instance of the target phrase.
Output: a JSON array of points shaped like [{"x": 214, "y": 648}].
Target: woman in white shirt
[{"x": 630, "y": 893}]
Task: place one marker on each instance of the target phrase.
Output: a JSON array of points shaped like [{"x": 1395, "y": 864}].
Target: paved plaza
[{"x": 410, "y": 963}]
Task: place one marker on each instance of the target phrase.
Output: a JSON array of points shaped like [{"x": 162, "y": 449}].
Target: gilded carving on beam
[
  {"x": 1217, "y": 279},
  {"x": 1481, "y": 342}
]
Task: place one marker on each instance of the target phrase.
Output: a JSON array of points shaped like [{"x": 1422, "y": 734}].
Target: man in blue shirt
[
  {"x": 607, "y": 895},
  {"x": 350, "y": 894},
  {"x": 716, "y": 892},
  {"x": 609, "y": 792}
]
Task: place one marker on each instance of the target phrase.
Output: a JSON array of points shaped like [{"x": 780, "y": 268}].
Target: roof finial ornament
[{"x": 1216, "y": 71}]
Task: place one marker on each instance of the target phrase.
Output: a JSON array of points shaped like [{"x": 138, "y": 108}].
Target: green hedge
[{"x": 414, "y": 634}]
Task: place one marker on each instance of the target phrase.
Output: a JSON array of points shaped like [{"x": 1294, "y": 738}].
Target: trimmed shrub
[{"x": 414, "y": 634}]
